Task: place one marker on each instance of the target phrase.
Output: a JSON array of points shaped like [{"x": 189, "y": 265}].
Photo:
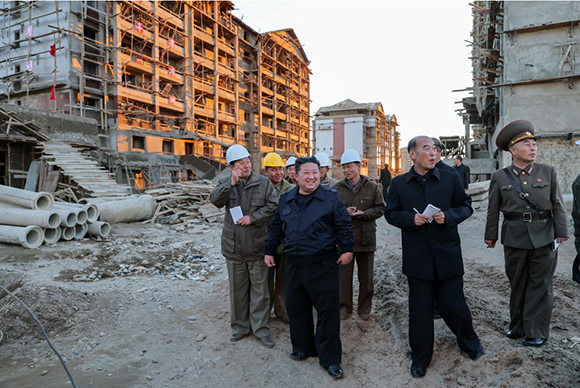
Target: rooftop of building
[{"x": 348, "y": 105}]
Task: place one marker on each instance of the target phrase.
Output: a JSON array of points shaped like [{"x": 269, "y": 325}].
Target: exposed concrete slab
[{"x": 59, "y": 126}]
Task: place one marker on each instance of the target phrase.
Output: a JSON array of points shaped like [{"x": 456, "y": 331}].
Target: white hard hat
[
  {"x": 323, "y": 159},
  {"x": 291, "y": 161},
  {"x": 236, "y": 152},
  {"x": 350, "y": 156}
]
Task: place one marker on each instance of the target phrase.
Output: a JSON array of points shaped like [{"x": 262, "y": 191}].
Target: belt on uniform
[{"x": 527, "y": 216}]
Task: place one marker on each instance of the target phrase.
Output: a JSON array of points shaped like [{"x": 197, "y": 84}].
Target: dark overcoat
[{"x": 431, "y": 245}]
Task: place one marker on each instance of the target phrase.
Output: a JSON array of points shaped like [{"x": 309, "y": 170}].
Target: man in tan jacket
[
  {"x": 530, "y": 199},
  {"x": 364, "y": 202},
  {"x": 243, "y": 244}
]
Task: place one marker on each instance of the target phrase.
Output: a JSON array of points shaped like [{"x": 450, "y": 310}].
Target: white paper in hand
[
  {"x": 555, "y": 245},
  {"x": 236, "y": 213},
  {"x": 430, "y": 211}
]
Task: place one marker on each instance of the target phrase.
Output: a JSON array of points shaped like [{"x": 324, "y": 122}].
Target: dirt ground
[{"x": 149, "y": 307}]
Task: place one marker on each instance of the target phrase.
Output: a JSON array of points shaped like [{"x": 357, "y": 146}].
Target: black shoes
[
  {"x": 298, "y": 356},
  {"x": 267, "y": 341},
  {"x": 417, "y": 372},
  {"x": 335, "y": 371},
  {"x": 536, "y": 342},
  {"x": 237, "y": 336},
  {"x": 478, "y": 353},
  {"x": 512, "y": 335}
]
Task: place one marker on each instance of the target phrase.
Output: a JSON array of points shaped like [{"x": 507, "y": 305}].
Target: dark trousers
[
  {"x": 314, "y": 285},
  {"x": 276, "y": 285},
  {"x": 365, "y": 262},
  {"x": 530, "y": 272},
  {"x": 385, "y": 193},
  {"x": 453, "y": 309},
  {"x": 575, "y": 270}
]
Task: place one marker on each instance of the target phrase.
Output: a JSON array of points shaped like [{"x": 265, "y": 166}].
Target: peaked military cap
[{"x": 514, "y": 132}]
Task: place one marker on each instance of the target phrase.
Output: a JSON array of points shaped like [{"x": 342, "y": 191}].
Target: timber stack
[{"x": 184, "y": 202}]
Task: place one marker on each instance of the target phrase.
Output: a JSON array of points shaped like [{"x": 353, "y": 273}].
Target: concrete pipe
[
  {"x": 26, "y": 199},
  {"x": 25, "y": 217},
  {"x": 107, "y": 199},
  {"x": 67, "y": 218},
  {"x": 51, "y": 236},
  {"x": 128, "y": 210},
  {"x": 81, "y": 231},
  {"x": 29, "y": 237},
  {"x": 101, "y": 229},
  {"x": 67, "y": 233},
  {"x": 91, "y": 210},
  {"x": 82, "y": 217}
]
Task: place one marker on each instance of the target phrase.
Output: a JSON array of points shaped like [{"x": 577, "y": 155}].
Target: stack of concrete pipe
[{"x": 30, "y": 219}]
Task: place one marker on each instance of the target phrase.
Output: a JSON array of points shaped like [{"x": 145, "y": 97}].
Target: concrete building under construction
[
  {"x": 524, "y": 67},
  {"x": 363, "y": 127},
  {"x": 170, "y": 83}
]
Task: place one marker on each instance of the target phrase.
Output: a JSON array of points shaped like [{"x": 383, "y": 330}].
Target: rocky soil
[{"x": 149, "y": 307}]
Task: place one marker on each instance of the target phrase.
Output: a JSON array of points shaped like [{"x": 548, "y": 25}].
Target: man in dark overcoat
[
  {"x": 463, "y": 171},
  {"x": 432, "y": 257}
]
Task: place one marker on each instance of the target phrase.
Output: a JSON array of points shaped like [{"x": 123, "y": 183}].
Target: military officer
[{"x": 528, "y": 195}]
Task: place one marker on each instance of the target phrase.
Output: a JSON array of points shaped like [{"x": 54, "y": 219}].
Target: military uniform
[
  {"x": 276, "y": 273},
  {"x": 527, "y": 235}
]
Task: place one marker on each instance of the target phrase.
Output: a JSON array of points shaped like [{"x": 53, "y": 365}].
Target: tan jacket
[
  {"x": 259, "y": 200},
  {"x": 369, "y": 199},
  {"x": 540, "y": 182},
  {"x": 329, "y": 182},
  {"x": 283, "y": 187}
]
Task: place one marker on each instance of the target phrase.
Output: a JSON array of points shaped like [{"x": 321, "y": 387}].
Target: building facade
[
  {"x": 524, "y": 67},
  {"x": 165, "y": 80},
  {"x": 363, "y": 127}
]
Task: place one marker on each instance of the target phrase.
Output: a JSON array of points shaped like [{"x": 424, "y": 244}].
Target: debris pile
[{"x": 185, "y": 202}]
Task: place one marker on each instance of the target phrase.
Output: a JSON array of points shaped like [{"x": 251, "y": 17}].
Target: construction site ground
[{"x": 149, "y": 307}]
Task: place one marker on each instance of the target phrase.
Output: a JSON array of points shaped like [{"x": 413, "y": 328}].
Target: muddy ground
[{"x": 149, "y": 307}]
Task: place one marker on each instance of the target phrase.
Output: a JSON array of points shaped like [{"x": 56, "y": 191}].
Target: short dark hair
[
  {"x": 436, "y": 142},
  {"x": 304, "y": 160},
  {"x": 458, "y": 157},
  {"x": 412, "y": 144}
]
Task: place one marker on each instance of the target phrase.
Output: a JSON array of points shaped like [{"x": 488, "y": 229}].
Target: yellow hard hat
[{"x": 272, "y": 159}]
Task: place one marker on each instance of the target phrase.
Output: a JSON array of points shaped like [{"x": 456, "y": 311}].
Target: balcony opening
[
  {"x": 168, "y": 147},
  {"x": 139, "y": 142}
]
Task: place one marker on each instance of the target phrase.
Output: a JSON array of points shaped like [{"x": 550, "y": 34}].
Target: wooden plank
[{"x": 51, "y": 181}]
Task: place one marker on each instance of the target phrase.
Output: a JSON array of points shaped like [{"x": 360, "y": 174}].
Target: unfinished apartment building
[
  {"x": 172, "y": 84},
  {"x": 363, "y": 127},
  {"x": 524, "y": 67}
]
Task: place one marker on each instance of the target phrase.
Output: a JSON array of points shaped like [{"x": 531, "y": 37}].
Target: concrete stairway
[{"x": 80, "y": 168}]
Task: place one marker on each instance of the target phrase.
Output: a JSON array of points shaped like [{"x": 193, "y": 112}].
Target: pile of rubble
[
  {"x": 31, "y": 219},
  {"x": 185, "y": 202}
]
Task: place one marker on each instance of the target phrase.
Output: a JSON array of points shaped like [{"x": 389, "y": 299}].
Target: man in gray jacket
[{"x": 243, "y": 244}]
